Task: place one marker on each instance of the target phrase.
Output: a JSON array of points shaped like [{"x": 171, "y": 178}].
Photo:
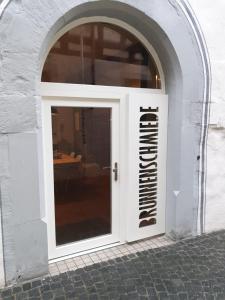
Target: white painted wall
[
  {"x": 210, "y": 15},
  {"x": 2, "y": 275}
]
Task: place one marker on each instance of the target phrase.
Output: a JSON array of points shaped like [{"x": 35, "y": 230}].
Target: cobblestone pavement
[
  {"x": 190, "y": 269},
  {"x": 81, "y": 261}
]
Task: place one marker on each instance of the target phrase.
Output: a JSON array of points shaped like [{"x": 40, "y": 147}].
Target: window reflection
[{"x": 101, "y": 54}]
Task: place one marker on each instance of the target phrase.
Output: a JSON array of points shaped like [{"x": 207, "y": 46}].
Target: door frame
[
  {"x": 79, "y": 101},
  {"x": 118, "y": 95}
]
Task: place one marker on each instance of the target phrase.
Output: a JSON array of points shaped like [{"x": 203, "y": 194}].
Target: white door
[{"x": 81, "y": 143}]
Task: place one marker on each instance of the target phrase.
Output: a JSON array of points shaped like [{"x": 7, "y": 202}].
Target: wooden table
[{"x": 67, "y": 159}]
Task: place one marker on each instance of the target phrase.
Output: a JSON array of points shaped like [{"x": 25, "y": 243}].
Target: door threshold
[{"x": 85, "y": 252}]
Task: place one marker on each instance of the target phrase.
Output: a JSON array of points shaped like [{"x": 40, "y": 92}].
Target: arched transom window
[{"x": 100, "y": 53}]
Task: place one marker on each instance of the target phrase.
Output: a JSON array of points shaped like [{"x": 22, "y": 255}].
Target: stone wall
[
  {"x": 27, "y": 29},
  {"x": 210, "y": 15}
]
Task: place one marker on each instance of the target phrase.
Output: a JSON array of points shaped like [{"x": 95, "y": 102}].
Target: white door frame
[
  {"x": 101, "y": 93},
  {"x": 79, "y": 101}
]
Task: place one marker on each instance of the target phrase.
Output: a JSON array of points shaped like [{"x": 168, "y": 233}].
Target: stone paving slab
[{"x": 190, "y": 269}]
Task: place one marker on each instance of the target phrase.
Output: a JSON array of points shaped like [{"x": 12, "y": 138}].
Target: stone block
[
  {"x": 215, "y": 189},
  {"x": 193, "y": 86},
  {"x": 2, "y": 277},
  {"x": 217, "y": 114},
  {"x": 24, "y": 177},
  {"x": 17, "y": 114},
  {"x": 67, "y": 5},
  {"x": 218, "y": 87},
  {"x": 19, "y": 34},
  {"x": 31, "y": 249},
  {"x": 18, "y": 73},
  {"x": 7, "y": 226},
  {"x": 4, "y": 156},
  {"x": 42, "y": 13},
  {"x": 192, "y": 112}
]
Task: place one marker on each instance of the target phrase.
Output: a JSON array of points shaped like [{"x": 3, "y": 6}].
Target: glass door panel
[{"x": 82, "y": 172}]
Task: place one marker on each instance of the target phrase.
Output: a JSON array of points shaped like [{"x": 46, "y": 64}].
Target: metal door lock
[{"x": 115, "y": 171}]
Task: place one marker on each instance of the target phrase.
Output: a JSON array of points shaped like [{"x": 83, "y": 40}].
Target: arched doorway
[
  {"x": 172, "y": 29},
  {"x": 105, "y": 132}
]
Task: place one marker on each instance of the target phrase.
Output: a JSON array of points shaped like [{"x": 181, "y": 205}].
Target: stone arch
[
  {"x": 171, "y": 29},
  {"x": 181, "y": 56}
]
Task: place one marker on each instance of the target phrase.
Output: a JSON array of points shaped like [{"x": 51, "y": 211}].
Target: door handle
[{"x": 115, "y": 171}]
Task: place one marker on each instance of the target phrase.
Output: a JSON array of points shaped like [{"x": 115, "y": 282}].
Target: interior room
[{"x": 82, "y": 180}]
